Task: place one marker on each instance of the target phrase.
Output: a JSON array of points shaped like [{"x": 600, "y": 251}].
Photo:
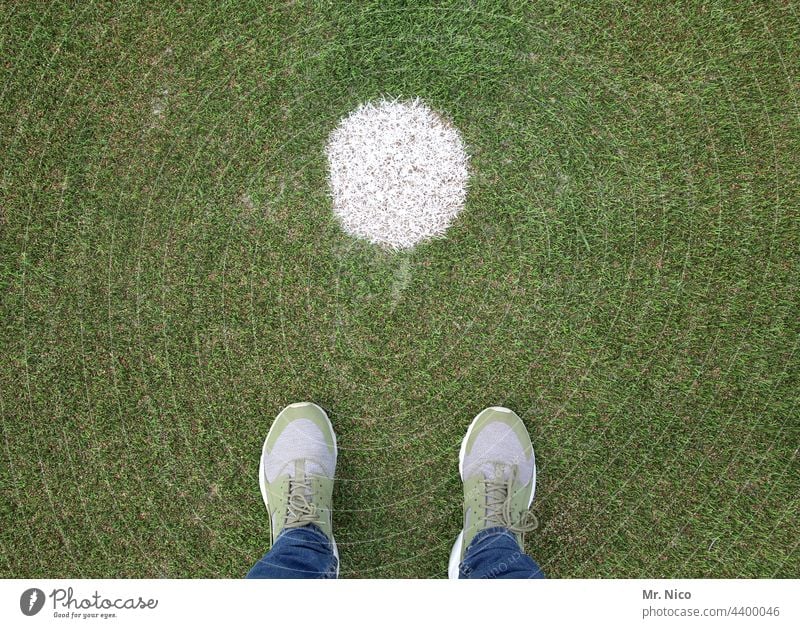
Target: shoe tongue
[
  {"x": 300, "y": 469},
  {"x": 496, "y": 471}
]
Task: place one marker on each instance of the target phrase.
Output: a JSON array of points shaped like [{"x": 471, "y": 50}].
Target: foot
[
  {"x": 298, "y": 462},
  {"x": 498, "y": 469}
]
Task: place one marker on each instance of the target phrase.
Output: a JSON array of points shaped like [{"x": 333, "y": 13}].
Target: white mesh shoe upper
[
  {"x": 498, "y": 443},
  {"x": 300, "y": 439}
]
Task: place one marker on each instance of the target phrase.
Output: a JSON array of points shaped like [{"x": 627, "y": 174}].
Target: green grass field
[{"x": 624, "y": 275}]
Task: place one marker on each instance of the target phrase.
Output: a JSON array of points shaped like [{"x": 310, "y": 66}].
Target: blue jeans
[{"x": 307, "y": 553}]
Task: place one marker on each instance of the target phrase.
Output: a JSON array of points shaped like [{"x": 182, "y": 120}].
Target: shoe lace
[
  {"x": 499, "y": 491},
  {"x": 301, "y": 511}
]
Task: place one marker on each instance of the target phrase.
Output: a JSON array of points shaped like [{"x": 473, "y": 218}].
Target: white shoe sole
[
  {"x": 455, "y": 552},
  {"x": 262, "y": 478}
]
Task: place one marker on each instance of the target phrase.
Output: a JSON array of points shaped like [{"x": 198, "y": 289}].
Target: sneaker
[
  {"x": 498, "y": 469},
  {"x": 298, "y": 462}
]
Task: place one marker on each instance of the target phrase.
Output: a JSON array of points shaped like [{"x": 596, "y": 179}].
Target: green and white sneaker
[
  {"x": 498, "y": 469},
  {"x": 298, "y": 462}
]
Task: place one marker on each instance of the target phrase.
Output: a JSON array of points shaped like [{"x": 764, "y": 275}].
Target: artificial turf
[{"x": 624, "y": 276}]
